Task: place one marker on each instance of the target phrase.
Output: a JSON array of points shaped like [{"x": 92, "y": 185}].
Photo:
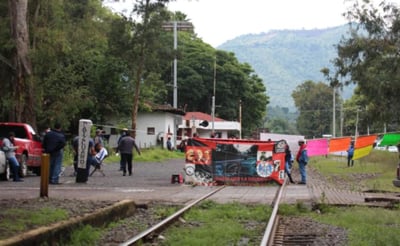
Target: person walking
[
  {"x": 288, "y": 163},
  {"x": 53, "y": 144},
  {"x": 9, "y": 149},
  {"x": 125, "y": 148},
  {"x": 350, "y": 153},
  {"x": 302, "y": 159},
  {"x": 124, "y": 133}
]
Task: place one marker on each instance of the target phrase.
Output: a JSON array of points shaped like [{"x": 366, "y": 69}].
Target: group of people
[
  {"x": 301, "y": 158},
  {"x": 54, "y": 142}
]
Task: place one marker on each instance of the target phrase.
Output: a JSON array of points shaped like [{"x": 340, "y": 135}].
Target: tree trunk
[{"x": 22, "y": 81}]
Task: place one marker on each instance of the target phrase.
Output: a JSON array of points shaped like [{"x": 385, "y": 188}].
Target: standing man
[
  {"x": 302, "y": 159},
  {"x": 99, "y": 137},
  {"x": 125, "y": 148},
  {"x": 169, "y": 144},
  {"x": 124, "y": 133},
  {"x": 288, "y": 162},
  {"x": 9, "y": 149},
  {"x": 350, "y": 153},
  {"x": 53, "y": 144}
]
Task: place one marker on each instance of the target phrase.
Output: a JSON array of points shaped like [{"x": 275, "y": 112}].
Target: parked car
[
  {"x": 392, "y": 149},
  {"x": 4, "y": 168},
  {"x": 29, "y": 152}
]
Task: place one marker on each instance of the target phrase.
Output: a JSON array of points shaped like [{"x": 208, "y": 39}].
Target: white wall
[{"x": 160, "y": 121}]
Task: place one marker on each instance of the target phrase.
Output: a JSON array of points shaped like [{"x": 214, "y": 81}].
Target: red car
[{"x": 29, "y": 153}]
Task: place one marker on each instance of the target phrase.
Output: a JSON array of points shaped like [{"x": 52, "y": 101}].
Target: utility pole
[
  {"x": 334, "y": 113},
  {"x": 213, "y": 98},
  {"x": 174, "y": 26},
  {"x": 240, "y": 119}
]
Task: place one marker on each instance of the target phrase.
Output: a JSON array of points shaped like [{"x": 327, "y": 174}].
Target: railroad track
[
  {"x": 162, "y": 224},
  {"x": 273, "y": 235}
]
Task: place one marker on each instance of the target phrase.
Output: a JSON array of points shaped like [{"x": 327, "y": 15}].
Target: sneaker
[
  {"x": 18, "y": 180},
  {"x": 302, "y": 183}
]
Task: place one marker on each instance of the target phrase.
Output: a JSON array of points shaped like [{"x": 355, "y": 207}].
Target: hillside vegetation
[{"x": 286, "y": 58}]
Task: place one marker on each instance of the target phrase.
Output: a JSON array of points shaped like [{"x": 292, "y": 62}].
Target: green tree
[
  {"x": 370, "y": 58},
  {"x": 235, "y": 83},
  {"x": 314, "y": 102}
]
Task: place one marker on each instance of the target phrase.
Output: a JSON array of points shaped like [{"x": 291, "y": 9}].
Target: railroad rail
[
  {"x": 168, "y": 220},
  {"x": 271, "y": 226}
]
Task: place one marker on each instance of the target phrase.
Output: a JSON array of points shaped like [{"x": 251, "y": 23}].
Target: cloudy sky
[{"x": 217, "y": 21}]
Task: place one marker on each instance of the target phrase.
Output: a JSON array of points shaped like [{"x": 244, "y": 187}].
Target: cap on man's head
[
  {"x": 125, "y": 129},
  {"x": 301, "y": 141}
]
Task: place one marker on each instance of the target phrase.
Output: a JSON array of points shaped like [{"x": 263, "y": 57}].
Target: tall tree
[
  {"x": 314, "y": 102},
  {"x": 370, "y": 58},
  {"x": 146, "y": 33},
  {"x": 22, "y": 89}
]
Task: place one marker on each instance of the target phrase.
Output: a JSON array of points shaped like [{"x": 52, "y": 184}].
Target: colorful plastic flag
[
  {"x": 339, "y": 144},
  {"x": 364, "y": 141},
  {"x": 361, "y": 152},
  {"x": 317, "y": 147},
  {"x": 390, "y": 139}
]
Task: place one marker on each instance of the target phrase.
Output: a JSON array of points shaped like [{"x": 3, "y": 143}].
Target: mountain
[{"x": 285, "y": 59}]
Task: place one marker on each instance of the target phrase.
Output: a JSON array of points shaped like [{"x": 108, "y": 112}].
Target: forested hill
[{"x": 287, "y": 58}]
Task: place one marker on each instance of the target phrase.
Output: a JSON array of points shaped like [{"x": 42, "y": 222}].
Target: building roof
[
  {"x": 164, "y": 108},
  {"x": 200, "y": 116}
]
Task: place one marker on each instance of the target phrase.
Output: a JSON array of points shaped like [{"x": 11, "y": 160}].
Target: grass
[
  {"x": 220, "y": 224},
  {"x": 16, "y": 220},
  {"x": 364, "y": 225},
  {"x": 234, "y": 224},
  {"x": 375, "y": 171},
  {"x": 147, "y": 155}
]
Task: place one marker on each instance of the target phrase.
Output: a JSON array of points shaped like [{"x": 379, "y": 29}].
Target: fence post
[{"x": 44, "y": 176}]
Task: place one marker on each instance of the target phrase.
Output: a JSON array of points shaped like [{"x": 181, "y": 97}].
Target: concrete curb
[{"x": 53, "y": 233}]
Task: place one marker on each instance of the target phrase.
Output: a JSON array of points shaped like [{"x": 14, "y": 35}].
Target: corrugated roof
[
  {"x": 200, "y": 116},
  {"x": 165, "y": 108}
]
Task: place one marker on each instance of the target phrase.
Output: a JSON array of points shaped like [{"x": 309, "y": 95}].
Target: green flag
[{"x": 390, "y": 139}]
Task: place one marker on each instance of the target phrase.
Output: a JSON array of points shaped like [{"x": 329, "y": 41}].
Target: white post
[{"x": 83, "y": 146}]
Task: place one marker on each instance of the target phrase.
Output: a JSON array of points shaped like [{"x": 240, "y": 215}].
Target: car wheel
[
  {"x": 23, "y": 168},
  {"x": 36, "y": 170}
]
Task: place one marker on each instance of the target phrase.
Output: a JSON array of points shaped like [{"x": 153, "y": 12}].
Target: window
[{"x": 151, "y": 131}]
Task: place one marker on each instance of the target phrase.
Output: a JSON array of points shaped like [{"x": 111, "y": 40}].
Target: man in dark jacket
[
  {"x": 53, "y": 144},
  {"x": 125, "y": 148}
]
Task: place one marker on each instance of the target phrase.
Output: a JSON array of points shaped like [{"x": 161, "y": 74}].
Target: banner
[
  {"x": 212, "y": 161},
  {"x": 317, "y": 147},
  {"x": 361, "y": 152},
  {"x": 339, "y": 144},
  {"x": 364, "y": 141},
  {"x": 390, "y": 139}
]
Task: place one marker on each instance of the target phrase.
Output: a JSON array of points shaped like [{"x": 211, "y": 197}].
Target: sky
[{"x": 218, "y": 21}]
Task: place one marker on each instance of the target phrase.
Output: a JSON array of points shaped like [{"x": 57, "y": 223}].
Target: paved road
[{"x": 152, "y": 182}]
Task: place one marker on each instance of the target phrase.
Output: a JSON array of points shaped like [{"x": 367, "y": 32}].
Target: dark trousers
[
  {"x": 126, "y": 159},
  {"x": 350, "y": 162}
]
